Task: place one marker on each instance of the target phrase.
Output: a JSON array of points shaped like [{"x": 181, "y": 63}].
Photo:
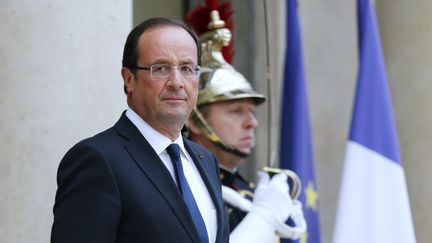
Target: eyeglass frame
[{"x": 195, "y": 68}]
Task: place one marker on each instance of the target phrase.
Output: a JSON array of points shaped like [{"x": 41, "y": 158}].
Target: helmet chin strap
[
  {"x": 231, "y": 149},
  {"x": 199, "y": 120}
]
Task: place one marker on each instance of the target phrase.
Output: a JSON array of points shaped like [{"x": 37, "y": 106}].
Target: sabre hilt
[{"x": 293, "y": 180}]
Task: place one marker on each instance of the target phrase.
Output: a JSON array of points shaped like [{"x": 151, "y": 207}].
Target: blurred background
[{"x": 60, "y": 70}]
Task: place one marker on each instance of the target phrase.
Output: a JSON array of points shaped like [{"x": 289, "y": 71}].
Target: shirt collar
[{"x": 158, "y": 141}]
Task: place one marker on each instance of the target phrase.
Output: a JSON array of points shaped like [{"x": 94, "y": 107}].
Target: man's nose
[
  {"x": 175, "y": 78},
  {"x": 251, "y": 120}
]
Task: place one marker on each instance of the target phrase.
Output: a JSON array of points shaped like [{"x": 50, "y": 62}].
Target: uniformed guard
[{"x": 224, "y": 122}]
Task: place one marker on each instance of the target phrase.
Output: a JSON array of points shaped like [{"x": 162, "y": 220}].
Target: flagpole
[{"x": 270, "y": 146}]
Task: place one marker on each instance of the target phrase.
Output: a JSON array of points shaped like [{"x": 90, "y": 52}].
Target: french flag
[{"x": 373, "y": 201}]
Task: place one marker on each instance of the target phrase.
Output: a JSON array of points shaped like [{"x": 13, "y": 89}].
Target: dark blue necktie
[{"x": 174, "y": 153}]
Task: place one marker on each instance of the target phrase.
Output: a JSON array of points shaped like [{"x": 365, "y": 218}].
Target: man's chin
[
  {"x": 177, "y": 114},
  {"x": 246, "y": 151}
]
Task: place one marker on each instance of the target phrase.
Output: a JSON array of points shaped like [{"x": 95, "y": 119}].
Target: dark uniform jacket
[{"x": 243, "y": 187}]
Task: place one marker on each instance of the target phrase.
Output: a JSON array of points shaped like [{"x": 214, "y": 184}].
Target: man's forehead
[
  {"x": 160, "y": 42},
  {"x": 161, "y": 29}
]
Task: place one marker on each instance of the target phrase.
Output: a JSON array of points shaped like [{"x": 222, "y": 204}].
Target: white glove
[
  {"x": 294, "y": 233},
  {"x": 271, "y": 206},
  {"x": 271, "y": 198}
]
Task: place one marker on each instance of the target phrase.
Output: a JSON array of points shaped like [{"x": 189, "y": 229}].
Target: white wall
[
  {"x": 406, "y": 31},
  {"x": 60, "y": 70}
]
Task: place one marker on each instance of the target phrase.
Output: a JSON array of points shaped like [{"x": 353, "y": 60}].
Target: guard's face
[
  {"x": 164, "y": 101},
  {"x": 234, "y": 122}
]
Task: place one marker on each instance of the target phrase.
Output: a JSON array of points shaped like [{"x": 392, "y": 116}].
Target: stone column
[
  {"x": 406, "y": 32},
  {"x": 60, "y": 70}
]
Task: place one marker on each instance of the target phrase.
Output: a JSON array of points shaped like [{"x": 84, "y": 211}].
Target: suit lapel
[
  {"x": 199, "y": 161},
  {"x": 205, "y": 169},
  {"x": 154, "y": 169}
]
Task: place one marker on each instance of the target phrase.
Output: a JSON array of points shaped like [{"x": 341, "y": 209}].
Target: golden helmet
[{"x": 219, "y": 81}]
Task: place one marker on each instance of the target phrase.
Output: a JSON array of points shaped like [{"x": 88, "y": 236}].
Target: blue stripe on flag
[{"x": 372, "y": 122}]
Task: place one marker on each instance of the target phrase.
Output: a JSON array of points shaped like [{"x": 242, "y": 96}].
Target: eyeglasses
[{"x": 164, "y": 70}]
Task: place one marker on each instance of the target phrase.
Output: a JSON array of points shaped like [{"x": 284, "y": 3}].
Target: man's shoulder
[
  {"x": 100, "y": 137},
  {"x": 103, "y": 138},
  {"x": 98, "y": 141}
]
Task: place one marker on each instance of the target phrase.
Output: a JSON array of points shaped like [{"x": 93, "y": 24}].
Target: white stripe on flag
[{"x": 373, "y": 201}]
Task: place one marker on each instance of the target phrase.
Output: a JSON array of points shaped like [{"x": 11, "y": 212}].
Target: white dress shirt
[{"x": 159, "y": 144}]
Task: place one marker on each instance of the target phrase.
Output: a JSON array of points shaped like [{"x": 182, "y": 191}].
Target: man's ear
[{"x": 128, "y": 78}]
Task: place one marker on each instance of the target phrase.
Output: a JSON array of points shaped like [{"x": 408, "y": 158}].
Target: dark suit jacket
[{"x": 113, "y": 188}]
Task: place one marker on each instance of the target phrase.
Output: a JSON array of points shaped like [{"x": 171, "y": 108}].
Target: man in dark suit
[{"x": 120, "y": 186}]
